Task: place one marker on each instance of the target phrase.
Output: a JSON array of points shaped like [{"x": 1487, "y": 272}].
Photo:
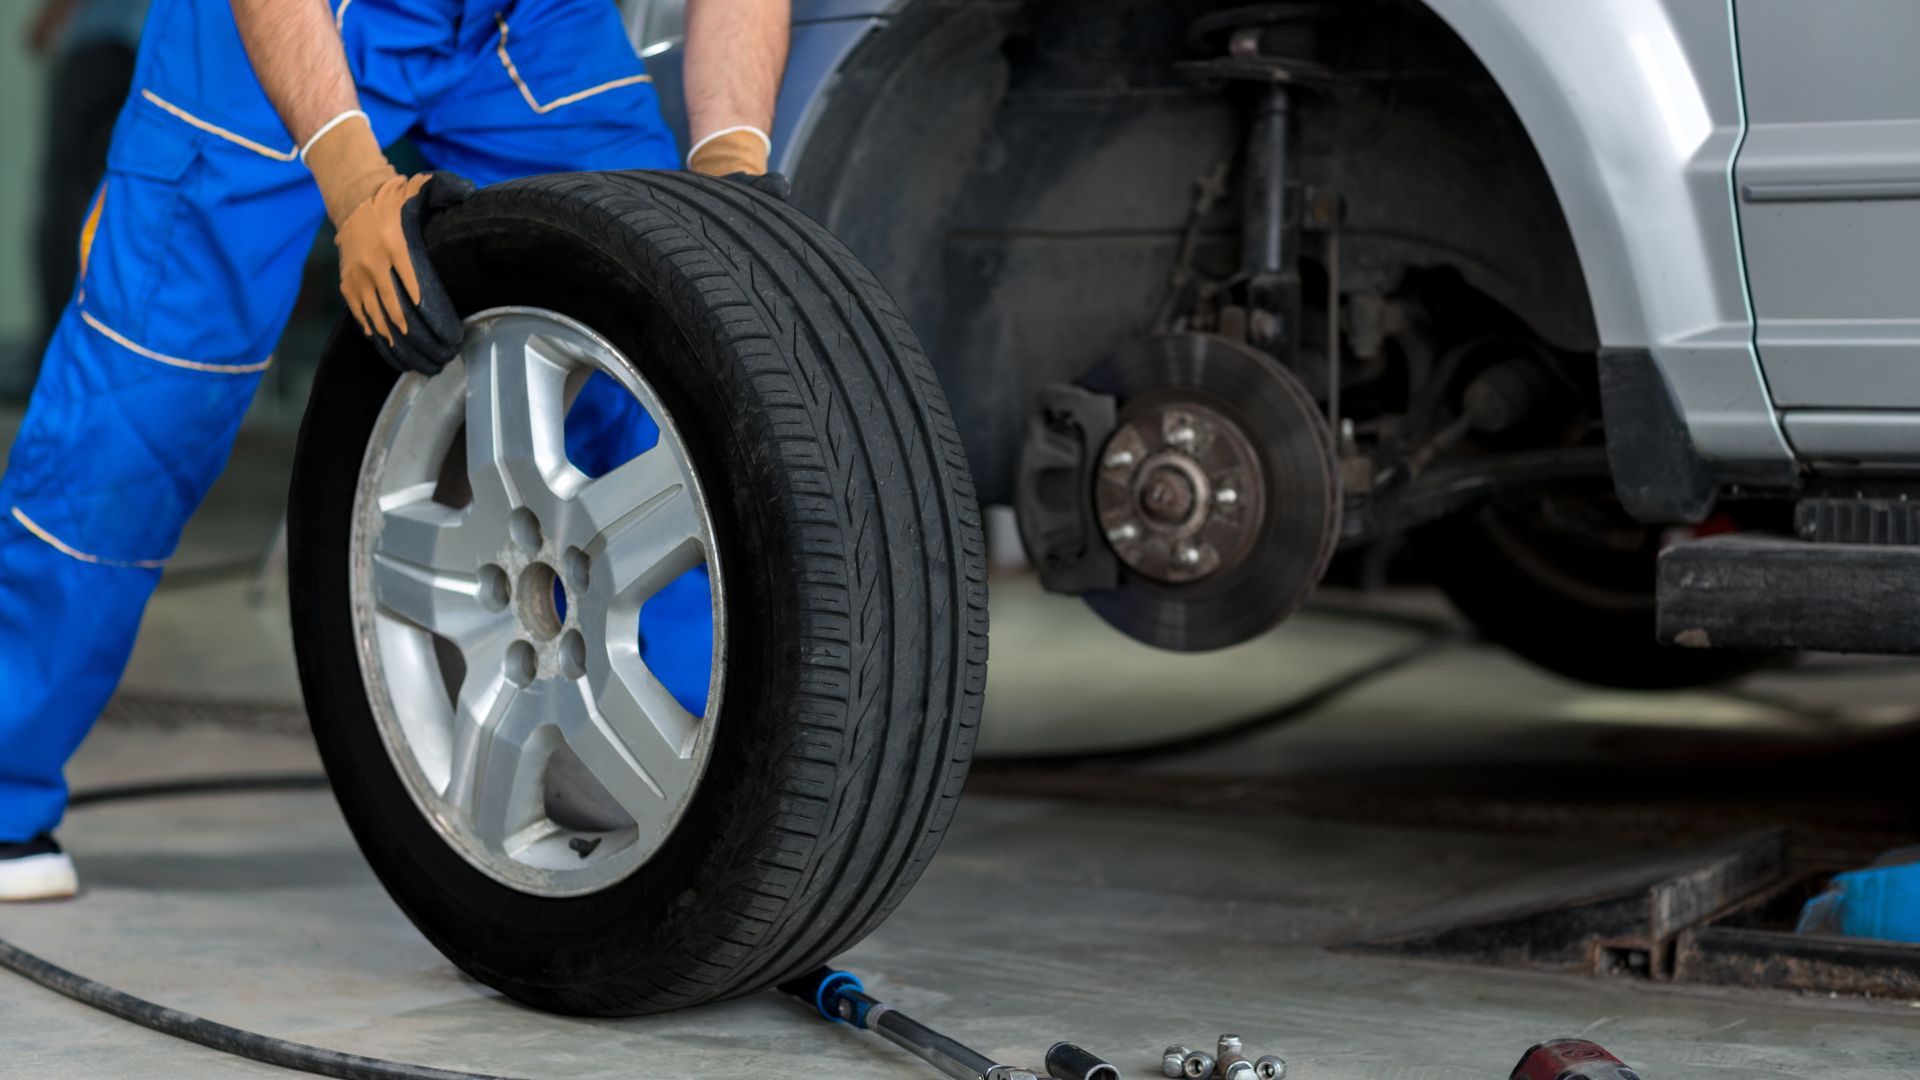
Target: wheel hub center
[
  {"x": 539, "y": 599},
  {"x": 1178, "y": 492},
  {"x": 1167, "y": 496},
  {"x": 1173, "y": 492}
]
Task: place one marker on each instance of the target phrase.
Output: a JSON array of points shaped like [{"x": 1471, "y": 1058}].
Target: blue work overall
[{"x": 190, "y": 262}]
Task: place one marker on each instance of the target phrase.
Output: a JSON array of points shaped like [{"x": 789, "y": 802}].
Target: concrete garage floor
[{"x": 1165, "y": 901}]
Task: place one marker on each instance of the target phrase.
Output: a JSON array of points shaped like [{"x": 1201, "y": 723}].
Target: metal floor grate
[{"x": 176, "y": 714}]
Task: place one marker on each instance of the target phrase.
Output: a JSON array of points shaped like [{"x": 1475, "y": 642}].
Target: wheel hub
[
  {"x": 1178, "y": 492},
  {"x": 1214, "y": 492},
  {"x": 1173, "y": 492},
  {"x": 499, "y": 634}
]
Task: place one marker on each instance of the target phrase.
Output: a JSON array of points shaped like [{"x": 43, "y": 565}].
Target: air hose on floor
[
  {"x": 228, "y": 1040},
  {"x": 1298, "y": 708},
  {"x": 321, "y": 1061},
  {"x": 215, "y": 1036}
]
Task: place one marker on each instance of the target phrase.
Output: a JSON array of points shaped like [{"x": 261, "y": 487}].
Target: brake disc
[{"x": 1218, "y": 491}]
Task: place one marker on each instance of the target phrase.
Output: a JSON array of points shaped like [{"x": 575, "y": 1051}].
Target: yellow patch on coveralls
[{"x": 92, "y": 226}]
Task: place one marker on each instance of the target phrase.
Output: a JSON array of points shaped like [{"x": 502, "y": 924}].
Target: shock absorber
[
  {"x": 1265, "y": 257},
  {"x": 1268, "y": 49}
]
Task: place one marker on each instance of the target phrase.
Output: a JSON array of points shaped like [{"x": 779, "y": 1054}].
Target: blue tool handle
[
  {"x": 823, "y": 988},
  {"x": 839, "y": 995}
]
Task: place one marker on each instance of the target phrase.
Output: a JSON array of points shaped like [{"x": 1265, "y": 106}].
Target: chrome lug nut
[
  {"x": 1270, "y": 1067},
  {"x": 1172, "y": 1061},
  {"x": 1230, "y": 1046},
  {"x": 1180, "y": 429},
  {"x": 1226, "y": 496},
  {"x": 1197, "y": 1066},
  {"x": 1124, "y": 532},
  {"x": 1237, "y": 1069},
  {"x": 1120, "y": 459},
  {"x": 1188, "y": 555}
]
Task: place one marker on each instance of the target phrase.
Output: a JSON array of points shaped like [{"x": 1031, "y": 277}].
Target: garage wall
[{"x": 22, "y": 76}]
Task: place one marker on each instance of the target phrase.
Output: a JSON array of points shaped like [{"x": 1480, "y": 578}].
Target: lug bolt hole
[
  {"x": 577, "y": 570},
  {"x": 573, "y": 655},
  {"x": 522, "y": 663},
  {"x": 524, "y": 527},
  {"x": 495, "y": 590}
]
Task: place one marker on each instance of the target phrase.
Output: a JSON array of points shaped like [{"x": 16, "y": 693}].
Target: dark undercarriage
[{"x": 1047, "y": 186}]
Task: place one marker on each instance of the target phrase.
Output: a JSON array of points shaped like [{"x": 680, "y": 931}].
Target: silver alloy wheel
[{"x": 496, "y": 600}]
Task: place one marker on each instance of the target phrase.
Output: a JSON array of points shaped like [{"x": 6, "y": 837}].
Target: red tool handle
[{"x": 1571, "y": 1059}]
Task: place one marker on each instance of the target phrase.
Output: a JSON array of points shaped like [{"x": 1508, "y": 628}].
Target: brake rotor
[{"x": 1218, "y": 491}]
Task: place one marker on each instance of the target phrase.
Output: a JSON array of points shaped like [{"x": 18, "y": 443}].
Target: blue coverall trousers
[{"x": 190, "y": 261}]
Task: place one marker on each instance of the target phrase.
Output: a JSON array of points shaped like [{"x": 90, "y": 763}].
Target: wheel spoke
[
  {"x": 626, "y": 490},
  {"x": 501, "y": 745},
  {"x": 634, "y": 739},
  {"x": 425, "y": 571},
  {"x": 427, "y": 534},
  {"x": 646, "y": 524},
  {"x": 516, "y": 419}
]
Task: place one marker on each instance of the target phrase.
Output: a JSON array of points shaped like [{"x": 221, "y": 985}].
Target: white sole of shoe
[{"x": 38, "y": 877}]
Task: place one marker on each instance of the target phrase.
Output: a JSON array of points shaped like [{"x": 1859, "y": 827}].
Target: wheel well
[{"x": 1019, "y": 174}]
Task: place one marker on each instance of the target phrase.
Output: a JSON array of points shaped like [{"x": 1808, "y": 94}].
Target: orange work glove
[
  {"x": 739, "y": 154},
  {"x": 379, "y": 219}
]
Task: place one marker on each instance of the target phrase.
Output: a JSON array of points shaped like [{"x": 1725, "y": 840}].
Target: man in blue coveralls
[{"x": 249, "y": 121}]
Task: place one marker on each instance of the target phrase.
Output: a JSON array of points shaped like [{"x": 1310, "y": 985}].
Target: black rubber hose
[
  {"x": 1354, "y": 611},
  {"x": 194, "y": 1029},
  {"x": 324, "y": 1062},
  {"x": 228, "y": 1040},
  {"x": 241, "y": 784},
  {"x": 1296, "y": 709},
  {"x": 189, "y": 577}
]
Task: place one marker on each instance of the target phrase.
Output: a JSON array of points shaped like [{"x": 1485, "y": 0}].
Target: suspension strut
[{"x": 1272, "y": 284}]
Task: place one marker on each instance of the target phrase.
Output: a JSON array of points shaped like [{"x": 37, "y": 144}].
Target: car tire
[
  {"x": 843, "y": 513},
  {"x": 1565, "y": 601}
]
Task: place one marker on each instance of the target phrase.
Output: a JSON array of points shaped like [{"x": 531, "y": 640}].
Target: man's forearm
[
  {"x": 736, "y": 52},
  {"x": 295, "y": 50}
]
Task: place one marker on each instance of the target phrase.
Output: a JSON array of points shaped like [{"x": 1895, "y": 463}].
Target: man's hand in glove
[
  {"x": 379, "y": 220},
  {"x": 739, "y": 154}
]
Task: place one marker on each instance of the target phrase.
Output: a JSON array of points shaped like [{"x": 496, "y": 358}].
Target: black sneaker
[{"x": 36, "y": 869}]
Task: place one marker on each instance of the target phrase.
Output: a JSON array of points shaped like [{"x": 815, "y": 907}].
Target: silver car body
[{"x": 1741, "y": 179}]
